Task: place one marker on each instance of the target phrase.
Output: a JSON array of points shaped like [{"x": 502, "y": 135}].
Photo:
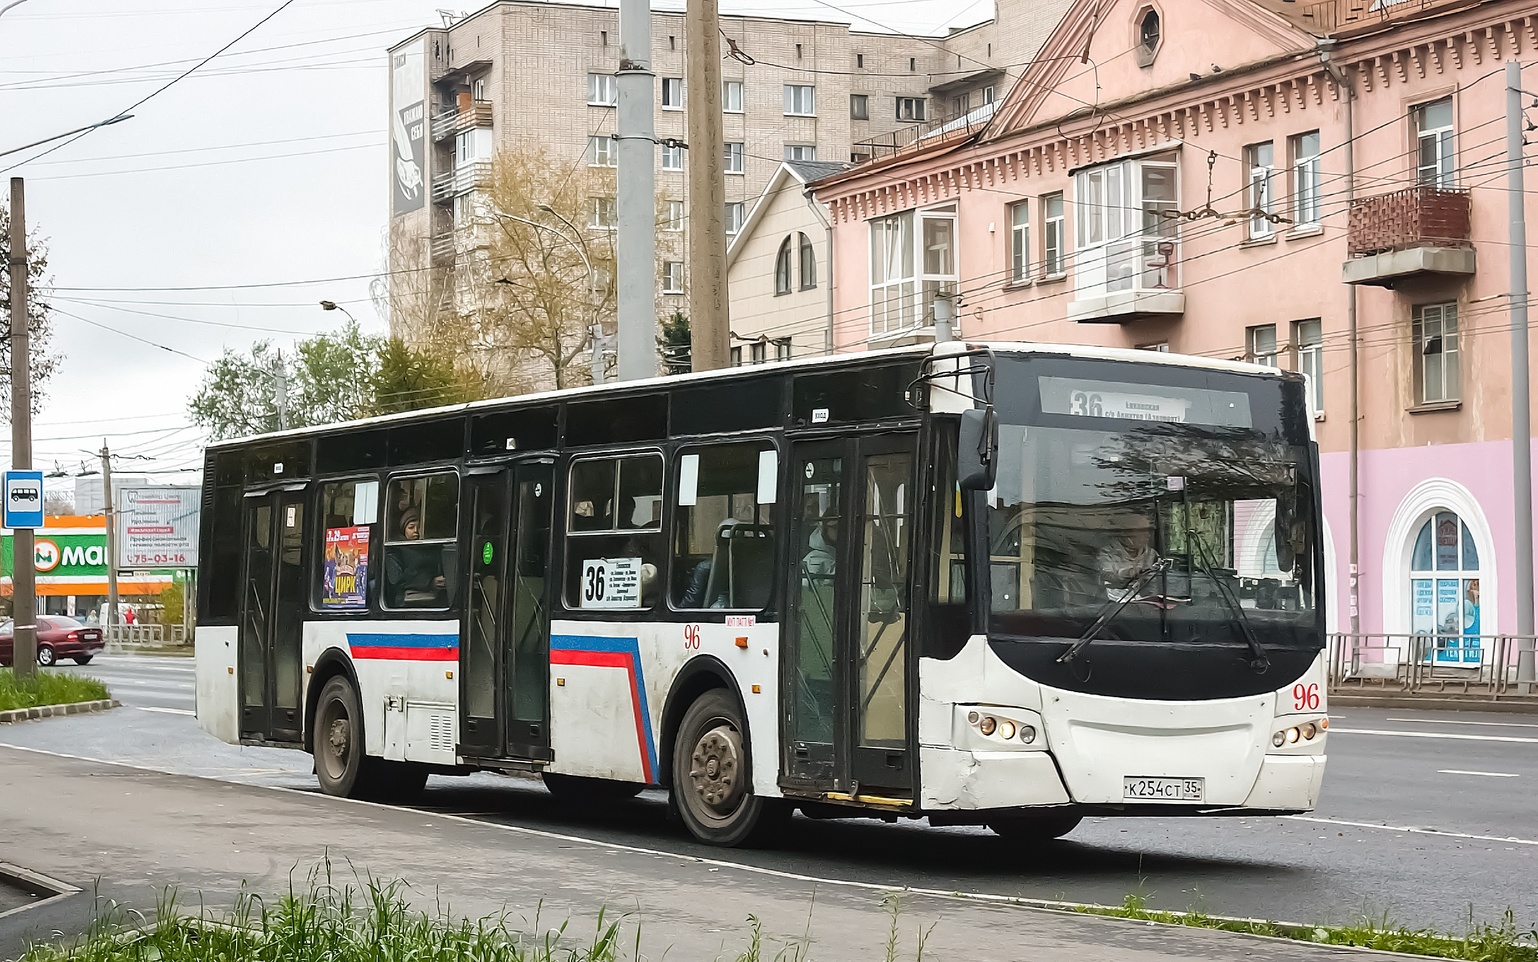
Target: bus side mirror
[{"x": 976, "y": 456}]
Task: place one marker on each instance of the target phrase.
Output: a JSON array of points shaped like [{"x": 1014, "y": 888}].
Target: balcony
[
  {"x": 455, "y": 120},
  {"x": 461, "y": 180},
  {"x": 1419, "y": 232},
  {"x": 443, "y": 250},
  {"x": 1130, "y": 279}
]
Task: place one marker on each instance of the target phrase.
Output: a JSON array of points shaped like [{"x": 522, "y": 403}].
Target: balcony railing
[
  {"x": 461, "y": 180},
  {"x": 443, "y": 249},
  {"x": 1328, "y": 16},
  {"x": 927, "y": 134},
  {"x": 1420, "y": 216},
  {"x": 450, "y": 122}
]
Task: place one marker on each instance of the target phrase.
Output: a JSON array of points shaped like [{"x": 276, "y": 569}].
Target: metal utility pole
[
  {"x": 110, "y": 506},
  {"x": 636, "y": 195},
  {"x": 280, "y": 385},
  {"x": 709, "y": 325},
  {"x": 1521, "y": 420},
  {"x": 23, "y": 559}
]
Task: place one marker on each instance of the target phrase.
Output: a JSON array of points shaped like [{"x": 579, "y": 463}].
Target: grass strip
[
  {"x": 47, "y": 688},
  {"x": 1483, "y": 942}
]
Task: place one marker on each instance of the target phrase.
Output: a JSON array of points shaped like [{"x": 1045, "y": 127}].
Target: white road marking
[
  {"x": 161, "y": 685},
  {"x": 1448, "y": 721},
  {"x": 164, "y": 711},
  {"x": 1448, "y": 735},
  {"x": 1456, "y": 771},
  {"x": 1412, "y": 830}
]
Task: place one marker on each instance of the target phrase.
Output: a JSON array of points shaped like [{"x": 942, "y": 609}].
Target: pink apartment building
[{"x": 1238, "y": 178}]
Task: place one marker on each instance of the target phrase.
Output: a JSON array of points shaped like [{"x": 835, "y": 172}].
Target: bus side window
[
  {"x": 421, "y": 541},
  {"x": 614, "y": 541},
  {"x": 349, "y": 512},
  {"x": 723, "y": 538}
]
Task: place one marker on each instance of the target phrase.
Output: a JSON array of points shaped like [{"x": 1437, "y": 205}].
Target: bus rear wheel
[
  {"x": 1042, "y": 827},
  {"x": 712, "y": 786}
]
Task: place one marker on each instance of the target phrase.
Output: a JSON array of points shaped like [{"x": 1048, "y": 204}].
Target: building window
[
  {"x": 1260, "y": 161},
  {"x": 1434, "y": 143},
  {"x": 1159, "y": 347},
  {"x": 672, "y": 277},
  {"x": 800, "y": 152},
  {"x": 601, "y": 152},
  {"x": 731, "y": 97},
  {"x": 758, "y": 351},
  {"x": 1444, "y": 590},
  {"x": 1019, "y": 242},
  {"x": 859, "y": 106},
  {"x": 1434, "y": 337},
  {"x": 910, "y": 108},
  {"x": 673, "y": 216},
  {"x": 478, "y": 90},
  {"x": 1304, "y": 150},
  {"x": 959, "y": 105},
  {"x": 472, "y": 146},
  {"x": 734, "y": 215},
  {"x": 913, "y": 64},
  {"x": 672, "y": 93},
  {"x": 737, "y": 356},
  {"x": 1125, "y": 237},
  {"x": 1308, "y": 339},
  {"x": 672, "y": 157},
  {"x": 601, "y": 214},
  {"x": 602, "y": 89},
  {"x": 421, "y": 538},
  {"x": 782, "y": 349},
  {"x": 987, "y": 95},
  {"x": 1260, "y": 344},
  {"x": 808, "y": 257},
  {"x": 734, "y": 157},
  {"x": 1148, "y": 33},
  {"x": 782, "y": 268},
  {"x": 723, "y": 554},
  {"x": 1053, "y": 226},
  {"x": 858, "y": 157},
  {"x": 614, "y": 532},
  {"x": 913, "y": 258},
  {"x": 859, "y": 60},
  {"x": 800, "y": 100}
]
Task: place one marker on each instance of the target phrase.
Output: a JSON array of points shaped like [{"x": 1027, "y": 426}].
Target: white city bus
[{"x": 1005, "y": 584}]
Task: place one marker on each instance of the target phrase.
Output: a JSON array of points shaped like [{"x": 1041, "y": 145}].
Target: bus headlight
[
  {"x": 1279, "y": 739},
  {"x": 987, "y": 725},
  {"x": 1006, "y": 730},
  {"x": 1027, "y": 734},
  {"x": 1292, "y": 736}
]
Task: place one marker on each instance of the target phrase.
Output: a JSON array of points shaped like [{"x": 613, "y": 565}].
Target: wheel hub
[
  {"x": 338, "y": 736},
  {"x": 716, "y": 770}
]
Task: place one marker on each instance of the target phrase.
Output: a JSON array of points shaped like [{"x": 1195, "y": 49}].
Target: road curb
[
  {"x": 1512, "y": 705},
  {"x": 48, "y": 890},
  {"x": 53, "y": 711}
]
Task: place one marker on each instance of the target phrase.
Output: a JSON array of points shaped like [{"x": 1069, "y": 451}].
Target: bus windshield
[{"x": 1185, "y": 493}]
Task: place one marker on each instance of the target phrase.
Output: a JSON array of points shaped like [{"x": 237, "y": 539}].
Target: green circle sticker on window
[{"x": 486, "y": 553}]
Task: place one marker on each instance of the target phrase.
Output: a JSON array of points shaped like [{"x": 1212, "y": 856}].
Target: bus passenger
[
  {"x": 413, "y": 573},
  {"x": 822, "y": 552},
  {"x": 1129, "y": 554}
]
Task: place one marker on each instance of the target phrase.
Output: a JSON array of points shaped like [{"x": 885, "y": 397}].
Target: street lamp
[
  {"x": 334, "y": 306},
  {"x": 595, "y": 331}
]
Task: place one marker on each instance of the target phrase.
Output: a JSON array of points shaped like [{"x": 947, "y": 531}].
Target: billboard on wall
[
  {"x": 157, "y": 527},
  {"x": 408, "y": 130}
]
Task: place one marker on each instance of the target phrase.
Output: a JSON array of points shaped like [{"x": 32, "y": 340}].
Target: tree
[
  {"x": 333, "y": 375},
  {"x": 39, "y": 315},
  {"x": 238, "y": 396},
  {"x": 675, "y": 345},
  {"x": 407, "y": 379}
]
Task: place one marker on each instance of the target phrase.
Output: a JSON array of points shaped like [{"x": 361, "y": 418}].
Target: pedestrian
[{"x": 128, "y": 616}]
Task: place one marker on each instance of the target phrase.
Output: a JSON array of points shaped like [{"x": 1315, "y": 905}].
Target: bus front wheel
[
  {"x": 1043, "y": 827},
  {"x": 712, "y": 787},
  {"x": 341, "y": 766}
]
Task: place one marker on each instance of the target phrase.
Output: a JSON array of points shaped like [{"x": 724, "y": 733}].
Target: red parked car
[{"x": 57, "y": 637}]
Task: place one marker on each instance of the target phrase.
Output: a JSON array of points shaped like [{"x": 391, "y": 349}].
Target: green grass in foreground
[
  {"x": 47, "y": 688},
  {"x": 1482, "y": 943}
]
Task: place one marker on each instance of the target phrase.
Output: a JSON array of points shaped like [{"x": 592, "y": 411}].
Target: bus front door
[
  {"x": 271, "y": 621},
  {"x": 846, "y": 652},
  {"x": 505, "y": 656}
]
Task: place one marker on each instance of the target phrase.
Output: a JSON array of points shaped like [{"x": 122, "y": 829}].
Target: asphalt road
[{"x": 1426, "y": 817}]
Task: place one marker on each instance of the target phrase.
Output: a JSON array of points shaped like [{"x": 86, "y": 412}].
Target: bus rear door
[{"x": 271, "y": 615}]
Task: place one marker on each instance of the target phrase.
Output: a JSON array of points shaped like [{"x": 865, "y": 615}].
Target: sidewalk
[{"x": 128, "y": 833}]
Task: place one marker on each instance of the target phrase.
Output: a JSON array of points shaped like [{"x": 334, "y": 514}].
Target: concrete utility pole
[
  {"x": 636, "y": 195},
  {"x": 280, "y": 386},
  {"x": 110, "y": 506},
  {"x": 1521, "y": 421},
  {"x": 945, "y": 315},
  {"x": 709, "y": 326},
  {"x": 23, "y": 557}
]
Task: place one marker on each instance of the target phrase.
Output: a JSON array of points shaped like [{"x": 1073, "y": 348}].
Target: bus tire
[
  {"x": 583, "y": 790},
  {"x": 1043, "y": 827},
  {"x": 712, "y": 787},
  {"x": 341, "y": 766}
]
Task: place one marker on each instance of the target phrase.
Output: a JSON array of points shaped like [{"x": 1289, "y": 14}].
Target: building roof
[
  {"x": 804, "y": 172},
  {"x": 808, "y": 171}
]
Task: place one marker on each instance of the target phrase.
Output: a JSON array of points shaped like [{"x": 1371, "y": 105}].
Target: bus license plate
[{"x": 1140, "y": 789}]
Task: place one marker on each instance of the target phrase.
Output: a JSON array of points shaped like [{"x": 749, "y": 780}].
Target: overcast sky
[{"x": 232, "y": 203}]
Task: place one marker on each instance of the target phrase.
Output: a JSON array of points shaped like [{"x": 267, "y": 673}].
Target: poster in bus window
[
  {"x": 346, "y": 568},
  {"x": 1449, "y": 620}
]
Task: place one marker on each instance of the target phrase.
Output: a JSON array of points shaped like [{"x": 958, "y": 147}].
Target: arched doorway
[{"x": 1445, "y": 590}]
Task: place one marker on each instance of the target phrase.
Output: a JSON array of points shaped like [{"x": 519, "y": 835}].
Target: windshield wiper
[
  {"x": 1260, "y": 662},
  {"x": 1108, "y": 612}
]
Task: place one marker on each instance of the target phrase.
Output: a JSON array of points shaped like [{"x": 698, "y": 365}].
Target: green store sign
[{"x": 68, "y": 555}]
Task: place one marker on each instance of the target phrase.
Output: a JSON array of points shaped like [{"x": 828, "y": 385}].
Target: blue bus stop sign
[{"x": 23, "y": 499}]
